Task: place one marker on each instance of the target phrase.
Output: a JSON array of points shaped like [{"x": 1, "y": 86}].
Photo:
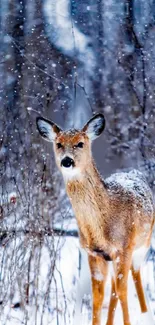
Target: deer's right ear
[
  {"x": 95, "y": 126},
  {"x": 47, "y": 129}
]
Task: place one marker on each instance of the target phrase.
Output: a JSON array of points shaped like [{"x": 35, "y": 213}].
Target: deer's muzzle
[{"x": 67, "y": 162}]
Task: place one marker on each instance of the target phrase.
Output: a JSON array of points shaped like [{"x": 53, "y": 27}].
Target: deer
[{"x": 115, "y": 216}]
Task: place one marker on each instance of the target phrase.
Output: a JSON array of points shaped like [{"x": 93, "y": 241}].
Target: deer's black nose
[{"x": 67, "y": 162}]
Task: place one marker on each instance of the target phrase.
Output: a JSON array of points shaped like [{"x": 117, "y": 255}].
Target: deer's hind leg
[
  {"x": 138, "y": 258},
  {"x": 139, "y": 288},
  {"x": 99, "y": 270}
]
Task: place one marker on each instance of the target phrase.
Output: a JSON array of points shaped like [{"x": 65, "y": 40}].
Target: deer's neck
[{"x": 88, "y": 196}]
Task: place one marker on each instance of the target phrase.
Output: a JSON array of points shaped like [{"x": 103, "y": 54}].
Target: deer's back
[
  {"x": 131, "y": 186},
  {"x": 131, "y": 205}
]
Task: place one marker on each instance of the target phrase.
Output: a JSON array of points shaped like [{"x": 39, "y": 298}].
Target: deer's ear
[
  {"x": 47, "y": 129},
  {"x": 95, "y": 126}
]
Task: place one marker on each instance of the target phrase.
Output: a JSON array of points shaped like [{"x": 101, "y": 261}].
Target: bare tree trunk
[
  {"x": 16, "y": 30},
  {"x": 97, "y": 31}
]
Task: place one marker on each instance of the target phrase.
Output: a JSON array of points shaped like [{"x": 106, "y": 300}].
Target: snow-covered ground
[{"x": 64, "y": 298}]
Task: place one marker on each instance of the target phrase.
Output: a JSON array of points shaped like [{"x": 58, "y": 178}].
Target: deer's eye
[
  {"x": 59, "y": 145},
  {"x": 80, "y": 145}
]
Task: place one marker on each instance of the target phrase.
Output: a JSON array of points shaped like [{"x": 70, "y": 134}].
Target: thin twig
[
  {"x": 87, "y": 97},
  {"x": 8, "y": 234}
]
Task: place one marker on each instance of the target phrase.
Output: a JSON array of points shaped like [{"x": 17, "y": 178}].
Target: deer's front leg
[
  {"x": 113, "y": 303},
  {"x": 99, "y": 269}
]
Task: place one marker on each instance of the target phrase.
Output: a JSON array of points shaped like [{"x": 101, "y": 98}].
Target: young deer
[{"x": 115, "y": 216}]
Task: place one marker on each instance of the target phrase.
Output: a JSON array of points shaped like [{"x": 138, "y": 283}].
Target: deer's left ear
[
  {"x": 95, "y": 126},
  {"x": 47, "y": 129}
]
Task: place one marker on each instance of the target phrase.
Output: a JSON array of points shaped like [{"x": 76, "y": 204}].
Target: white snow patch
[
  {"x": 132, "y": 183},
  {"x": 146, "y": 319},
  {"x": 120, "y": 276},
  {"x": 8, "y": 198},
  {"x": 138, "y": 257},
  {"x": 117, "y": 259},
  {"x": 98, "y": 276},
  {"x": 111, "y": 269}
]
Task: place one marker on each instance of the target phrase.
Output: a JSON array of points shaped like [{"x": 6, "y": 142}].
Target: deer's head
[{"x": 72, "y": 148}]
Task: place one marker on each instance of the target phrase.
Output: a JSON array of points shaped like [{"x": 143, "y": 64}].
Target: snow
[
  {"x": 65, "y": 35},
  {"x": 134, "y": 183},
  {"x": 61, "y": 296},
  {"x": 139, "y": 256},
  {"x": 60, "y": 286},
  {"x": 55, "y": 286},
  {"x": 8, "y": 198},
  {"x": 69, "y": 300}
]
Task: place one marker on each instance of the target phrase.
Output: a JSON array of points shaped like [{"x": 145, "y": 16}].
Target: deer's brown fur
[
  {"x": 107, "y": 220},
  {"x": 115, "y": 216}
]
